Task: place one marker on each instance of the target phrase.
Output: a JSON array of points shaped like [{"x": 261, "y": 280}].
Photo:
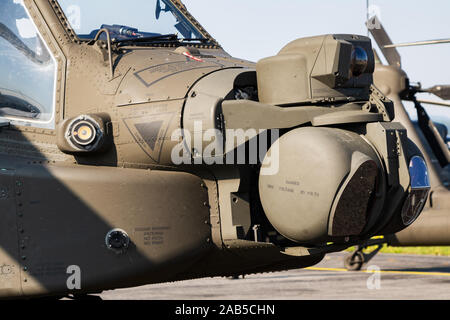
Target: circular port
[
  {"x": 83, "y": 132},
  {"x": 117, "y": 240}
]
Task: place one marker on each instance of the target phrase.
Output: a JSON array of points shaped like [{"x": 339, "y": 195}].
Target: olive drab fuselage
[{"x": 96, "y": 188}]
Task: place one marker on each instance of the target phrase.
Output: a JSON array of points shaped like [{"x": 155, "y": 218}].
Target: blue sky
[{"x": 254, "y": 29}]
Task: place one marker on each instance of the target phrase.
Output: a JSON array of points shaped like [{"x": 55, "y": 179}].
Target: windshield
[{"x": 128, "y": 19}]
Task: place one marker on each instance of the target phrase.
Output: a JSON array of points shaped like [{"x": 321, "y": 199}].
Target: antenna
[{"x": 367, "y": 17}]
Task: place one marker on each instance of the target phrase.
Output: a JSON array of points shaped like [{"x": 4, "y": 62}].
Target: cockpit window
[
  {"x": 27, "y": 77},
  {"x": 128, "y": 19}
]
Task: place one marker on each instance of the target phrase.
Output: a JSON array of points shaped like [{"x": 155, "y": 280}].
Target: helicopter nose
[{"x": 324, "y": 185}]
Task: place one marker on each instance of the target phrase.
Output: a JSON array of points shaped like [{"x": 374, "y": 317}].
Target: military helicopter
[
  {"x": 144, "y": 153},
  {"x": 433, "y": 227}
]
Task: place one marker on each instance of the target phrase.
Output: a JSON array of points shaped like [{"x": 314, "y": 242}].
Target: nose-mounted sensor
[{"x": 360, "y": 61}]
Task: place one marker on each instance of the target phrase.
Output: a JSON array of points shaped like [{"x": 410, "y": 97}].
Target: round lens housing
[
  {"x": 360, "y": 61},
  {"x": 84, "y": 133}
]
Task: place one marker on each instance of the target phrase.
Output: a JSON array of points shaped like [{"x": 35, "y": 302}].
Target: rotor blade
[
  {"x": 382, "y": 39},
  {"x": 417, "y": 43},
  {"x": 437, "y": 103},
  {"x": 442, "y": 91}
]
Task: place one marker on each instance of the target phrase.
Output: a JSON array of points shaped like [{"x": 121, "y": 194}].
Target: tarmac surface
[{"x": 387, "y": 276}]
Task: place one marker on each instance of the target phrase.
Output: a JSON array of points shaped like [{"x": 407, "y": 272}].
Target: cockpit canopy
[{"x": 128, "y": 19}]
